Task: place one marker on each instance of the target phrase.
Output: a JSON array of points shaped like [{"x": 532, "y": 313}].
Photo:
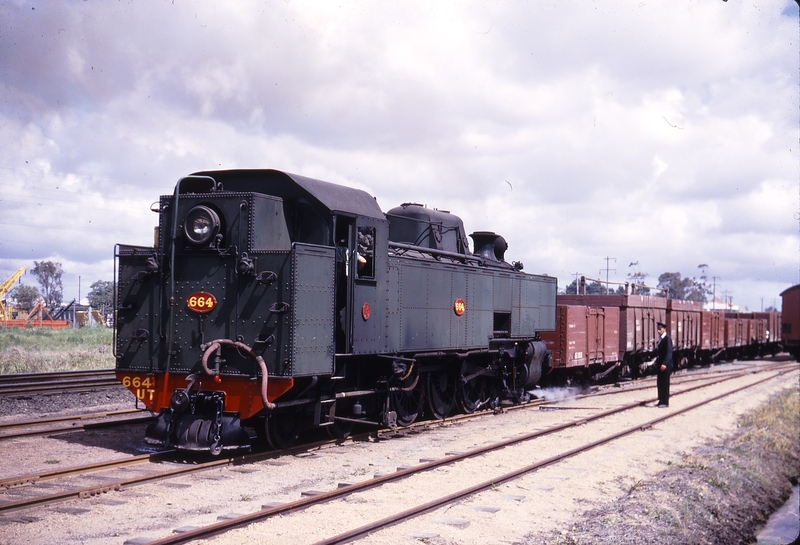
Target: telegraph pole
[
  {"x": 607, "y": 269},
  {"x": 577, "y": 282},
  {"x": 714, "y": 293}
]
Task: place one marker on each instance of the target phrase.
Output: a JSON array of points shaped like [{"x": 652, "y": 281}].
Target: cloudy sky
[{"x": 663, "y": 133}]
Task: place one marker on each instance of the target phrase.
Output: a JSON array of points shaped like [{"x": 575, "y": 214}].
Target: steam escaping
[{"x": 557, "y": 394}]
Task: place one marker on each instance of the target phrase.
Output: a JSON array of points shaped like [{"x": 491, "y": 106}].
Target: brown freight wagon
[
  {"x": 790, "y": 320},
  {"x": 638, "y": 315},
  {"x": 684, "y": 325},
  {"x": 747, "y": 327},
  {"x": 584, "y": 336},
  {"x": 712, "y": 334},
  {"x": 772, "y": 334},
  {"x": 775, "y": 327},
  {"x": 760, "y": 333},
  {"x": 734, "y": 331},
  {"x": 749, "y": 334},
  {"x": 758, "y": 329}
]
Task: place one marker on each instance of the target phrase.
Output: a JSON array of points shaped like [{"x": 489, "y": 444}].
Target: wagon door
[{"x": 594, "y": 335}]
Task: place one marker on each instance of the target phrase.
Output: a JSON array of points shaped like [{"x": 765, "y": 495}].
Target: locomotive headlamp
[{"x": 201, "y": 225}]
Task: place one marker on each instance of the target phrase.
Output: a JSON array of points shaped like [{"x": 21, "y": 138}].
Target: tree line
[
  {"x": 676, "y": 285},
  {"x": 51, "y": 291}
]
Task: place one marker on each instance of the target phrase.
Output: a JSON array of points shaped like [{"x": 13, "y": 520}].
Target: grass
[{"x": 34, "y": 350}]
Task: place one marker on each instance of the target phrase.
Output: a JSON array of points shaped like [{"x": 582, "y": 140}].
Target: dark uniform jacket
[{"x": 664, "y": 354}]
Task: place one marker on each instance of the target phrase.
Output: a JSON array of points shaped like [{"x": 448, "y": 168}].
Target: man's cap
[{"x": 661, "y": 324}]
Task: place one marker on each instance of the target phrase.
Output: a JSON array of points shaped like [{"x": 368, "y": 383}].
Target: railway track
[
  {"x": 27, "y": 384},
  {"x": 110, "y": 484},
  {"x": 80, "y": 422},
  {"x": 684, "y": 376},
  {"x": 155, "y": 473},
  {"x": 422, "y": 471}
]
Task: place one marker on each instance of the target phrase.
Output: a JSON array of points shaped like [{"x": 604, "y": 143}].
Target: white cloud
[{"x": 610, "y": 123}]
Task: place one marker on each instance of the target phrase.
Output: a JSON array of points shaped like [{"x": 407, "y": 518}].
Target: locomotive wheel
[
  {"x": 282, "y": 430},
  {"x": 339, "y": 429},
  {"x": 407, "y": 402},
  {"x": 441, "y": 386},
  {"x": 474, "y": 394},
  {"x": 407, "y": 405}
]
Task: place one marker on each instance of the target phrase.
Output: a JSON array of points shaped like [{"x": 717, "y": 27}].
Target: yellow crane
[{"x": 5, "y": 288}]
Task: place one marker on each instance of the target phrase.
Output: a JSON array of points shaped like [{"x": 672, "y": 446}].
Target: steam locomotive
[{"x": 271, "y": 303}]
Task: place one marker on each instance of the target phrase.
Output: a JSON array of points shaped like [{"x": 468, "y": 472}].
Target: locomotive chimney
[{"x": 489, "y": 245}]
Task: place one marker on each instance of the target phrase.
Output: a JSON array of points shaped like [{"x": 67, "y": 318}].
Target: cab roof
[{"x": 335, "y": 198}]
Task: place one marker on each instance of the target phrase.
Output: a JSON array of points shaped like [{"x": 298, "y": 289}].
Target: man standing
[{"x": 663, "y": 364}]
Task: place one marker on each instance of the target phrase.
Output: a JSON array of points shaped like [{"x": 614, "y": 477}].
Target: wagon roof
[
  {"x": 615, "y": 300},
  {"x": 334, "y": 197},
  {"x": 788, "y": 290}
]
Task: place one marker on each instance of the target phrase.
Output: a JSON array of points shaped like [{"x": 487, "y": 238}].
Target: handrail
[{"x": 434, "y": 252}]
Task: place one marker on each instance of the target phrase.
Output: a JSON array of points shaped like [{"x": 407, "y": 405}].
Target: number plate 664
[{"x": 201, "y": 302}]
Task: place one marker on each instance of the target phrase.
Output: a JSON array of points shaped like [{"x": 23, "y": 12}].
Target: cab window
[{"x": 365, "y": 253}]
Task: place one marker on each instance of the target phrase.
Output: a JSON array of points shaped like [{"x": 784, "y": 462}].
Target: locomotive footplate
[{"x": 195, "y": 421}]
